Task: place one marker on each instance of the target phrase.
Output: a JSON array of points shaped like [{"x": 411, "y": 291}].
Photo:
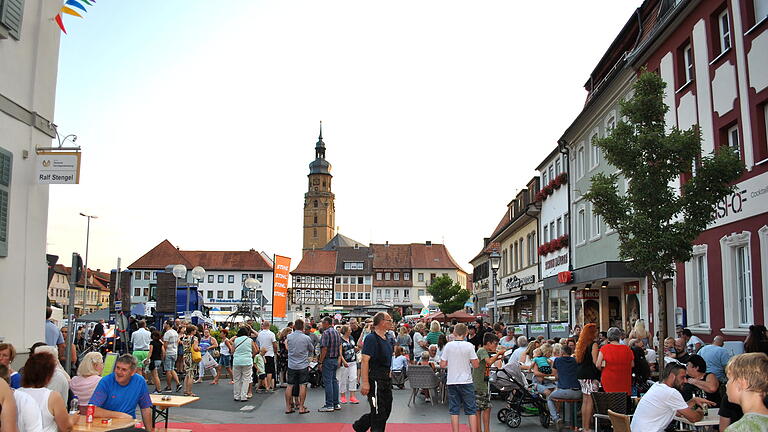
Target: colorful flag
[{"x": 69, "y": 11}]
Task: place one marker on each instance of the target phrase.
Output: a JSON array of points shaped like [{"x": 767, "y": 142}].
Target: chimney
[
  {"x": 252, "y": 250},
  {"x": 429, "y": 243},
  {"x": 387, "y": 244}
]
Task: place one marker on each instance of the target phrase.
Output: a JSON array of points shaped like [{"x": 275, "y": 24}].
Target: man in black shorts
[
  {"x": 300, "y": 348},
  {"x": 374, "y": 375}
]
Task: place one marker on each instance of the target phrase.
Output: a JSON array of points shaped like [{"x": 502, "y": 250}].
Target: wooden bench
[{"x": 573, "y": 403}]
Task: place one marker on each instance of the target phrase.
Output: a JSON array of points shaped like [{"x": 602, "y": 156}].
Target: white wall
[
  {"x": 28, "y": 69},
  {"x": 555, "y": 206}
]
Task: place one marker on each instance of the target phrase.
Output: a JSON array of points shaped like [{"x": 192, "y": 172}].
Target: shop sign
[
  {"x": 519, "y": 329},
  {"x": 632, "y": 287},
  {"x": 565, "y": 277},
  {"x": 587, "y": 294},
  {"x": 556, "y": 261},
  {"x": 537, "y": 329},
  {"x": 558, "y": 328},
  {"x": 749, "y": 198},
  {"x": 515, "y": 282},
  {"x": 58, "y": 168}
]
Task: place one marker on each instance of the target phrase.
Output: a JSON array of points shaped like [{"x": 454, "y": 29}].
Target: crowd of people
[{"x": 370, "y": 357}]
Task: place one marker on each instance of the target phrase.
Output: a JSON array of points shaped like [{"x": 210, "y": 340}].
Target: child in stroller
[
  {"x": 522, "y": 399},
  {"x": 399, "y": 368}
]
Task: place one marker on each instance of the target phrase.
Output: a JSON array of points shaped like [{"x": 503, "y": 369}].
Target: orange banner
[{"x": 280, "y": 286}]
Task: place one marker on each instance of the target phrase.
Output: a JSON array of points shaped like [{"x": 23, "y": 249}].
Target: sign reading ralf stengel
[{"x": 58, "y": 168}]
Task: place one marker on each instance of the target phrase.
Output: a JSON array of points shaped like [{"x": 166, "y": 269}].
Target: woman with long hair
[
  {"x": 639, "y": 332},
  {"x": 587, "y": 373},
  {"x": 190, "y": 343},
  {"x": 38, "y": 371}
]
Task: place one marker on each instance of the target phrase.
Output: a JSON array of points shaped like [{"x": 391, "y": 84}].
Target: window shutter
[
  {"x": 11, "y": 12},
  {"x": 6, "y": 159}
]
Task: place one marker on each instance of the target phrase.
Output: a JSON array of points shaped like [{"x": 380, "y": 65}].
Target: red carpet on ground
[{"x": 314, "y": 427}]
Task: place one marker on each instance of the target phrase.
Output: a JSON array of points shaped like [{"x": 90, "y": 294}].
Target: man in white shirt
[
  {"x": 266, "y": 339},
  {"x": 692, "y": 343},
  {"x": 140, "y": 340},
  {"x": 663, "y": 401},
  {"x": 171, "y": 342},
  {"x": 459, "y": 358},
  {"x": 522, "y": 345}
]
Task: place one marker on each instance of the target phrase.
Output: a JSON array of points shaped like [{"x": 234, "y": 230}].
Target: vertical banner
[{"x": 280, "y": 286}]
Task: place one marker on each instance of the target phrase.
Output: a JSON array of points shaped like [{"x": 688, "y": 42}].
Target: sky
[{"x": 198, "y": 120}]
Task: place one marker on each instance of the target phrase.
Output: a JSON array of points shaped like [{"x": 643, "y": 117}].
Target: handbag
[
  {"x": 208, "y": 361},
  {"x": 215, "y": 353},
  {"x": 197, "y": 356}
]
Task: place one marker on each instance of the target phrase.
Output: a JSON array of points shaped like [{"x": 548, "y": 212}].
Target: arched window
[
  {"x": 315, "y": 218},
  {"x": 314, "y": 204}
]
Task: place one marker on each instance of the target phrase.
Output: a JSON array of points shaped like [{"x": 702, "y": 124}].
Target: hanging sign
[
  {"x": 632, "y": 287},
  {"x": 587, "y": 295},
  {"x": 280, "y": 286},
  {"x": 58, "y": 168}
]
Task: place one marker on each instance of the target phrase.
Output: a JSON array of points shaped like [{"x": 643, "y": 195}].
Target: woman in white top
[
  {"x": 60, "y": 380},
  {"x": 38, "y": 371},
  {"x": 88, "y": 377}
]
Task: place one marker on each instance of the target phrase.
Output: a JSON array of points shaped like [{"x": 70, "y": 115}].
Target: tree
[
  {"x": 656, "y": 225},
  {"x": 448, "y": 295}
]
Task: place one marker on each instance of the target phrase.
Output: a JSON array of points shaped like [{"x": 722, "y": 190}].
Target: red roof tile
[
  {"x": 391, "y": 256},
  {"x": 435, "y": 256},
  {"x": 166, "y": 254},
  {"x": 316, "y": 262}
]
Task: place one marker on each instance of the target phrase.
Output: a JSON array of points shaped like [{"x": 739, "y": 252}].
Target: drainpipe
[
  {"x": 538, "y": 264},
  {"x": 562, "y": 146}
]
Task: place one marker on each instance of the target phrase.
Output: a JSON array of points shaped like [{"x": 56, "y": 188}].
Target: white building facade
[{"x": 29, "y": 55}]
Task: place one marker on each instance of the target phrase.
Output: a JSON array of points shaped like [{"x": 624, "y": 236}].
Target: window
[
  {"x": 146, "y": 293},
  {"x": 314, "y": 204},
  {"x": 595, "y": 158},
  {"x": 314, "y": 232},
  {"x": 137, "y": 275},
  {"x": 397, "y": 294},
  {"x": 387, "y": 294},
  {"x": 732, "y": 137},
  {"x": 609, "y": 125},
  {"x": 551, "y": 172},
  {"x": 367, "y": 280},
  {"x": 338, "y": 296},
  {"x": 702, "y": 289},
  {"x": 345, "y": 296},
  {"x": 359, "y": 280},
  {"x": 421, "y": 277},
  {"x": 504, "y": 261},
  {"x": 595, "y": 224},
  {"x": 544, "y": 179},
  {"x": 345, "y": 280},
  {"x": 396, "y": 276},
  {"x": 154, "y": 275},
  {"x": 580, "y": 163},
  {"x": 406, "y": 276},
  {"x": 558, "y": 305},
  {"x": 367, "y": 296},
  {"x": 744, "y": 286},
  {"x": 220, "y": 279},
  {"x": 685, "y": 56},
  {"x": 209, "y": 294},
  {"x": 559, "y": 227},
  {"x": 514, "y": 257},
  {"x": 147, "y": 275},
  {"x": 552, "y": 230},
  {"x": 260, "y": 277},
  {"x": 353, "y": 265},
  {"x": 338, "y": 279},
  {"x": 406, "y": 294},
  {"x": 315, "y": 219},
  {"x": 387, "y": 276},
  {"x": 136, "y": 292},
  {"x": 210, "y": 278},
  {"x": 231, "y": 279},
  {"x": 737, "y": 282},
  {"x": 219, "y": 294},
  {"x": 378, "y": 276},
  {"x": 558, "y": 170},
  {"x": 11, "y": 15},
  {"x": 581, "y": 226},
  {"x": 724, "y": 27},
  {"x": 546, "y": 233}
]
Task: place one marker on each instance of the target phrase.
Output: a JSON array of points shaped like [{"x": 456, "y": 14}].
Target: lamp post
[
  {"x": 180, "y": 271},
  {"x": 251, "y": 286},
  {"x": 87, "y": 241},
  {"x": 198, "y": 274},
  {"x": 495, "y": 259}
]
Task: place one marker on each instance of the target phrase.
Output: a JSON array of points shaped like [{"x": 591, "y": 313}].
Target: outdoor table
[
  {"x": 711, "y": 419},
  {"x": 161, "y": 408},
  {"x": 117, "y": 423}
]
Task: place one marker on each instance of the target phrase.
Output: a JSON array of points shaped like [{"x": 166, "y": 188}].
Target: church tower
[{"x": 319, "y": 208}]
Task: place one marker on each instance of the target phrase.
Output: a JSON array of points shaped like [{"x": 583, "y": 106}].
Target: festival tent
[
  {"x": 461, "y": 316},
  {"x": 434, "y": 316}
]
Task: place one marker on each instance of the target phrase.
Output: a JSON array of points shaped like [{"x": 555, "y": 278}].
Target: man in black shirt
[
  {"x": 357, "y": 330},
  {"x": 375, "y": 381}
]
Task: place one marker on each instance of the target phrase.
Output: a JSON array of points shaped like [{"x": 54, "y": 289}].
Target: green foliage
[
  {"x": 449, "y": 296},
  {"x": 396, "y": 315},
  {"x": 656, "y": 225}
]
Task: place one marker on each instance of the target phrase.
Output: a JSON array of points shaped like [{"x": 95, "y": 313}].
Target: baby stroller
[
  {"x": 398, "y": 378},
  {"x": 522, "y": 400},
  {"x": 315, "y": 377}
]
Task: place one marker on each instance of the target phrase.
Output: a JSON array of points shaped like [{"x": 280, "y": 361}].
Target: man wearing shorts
[
  {"x": 300, "y": 348},
  {"x": 170, "y": 340},
  {"x": 459, "y": 358},
  {"x": 267, "y": 340},
  {"x": 140, "y": 340}
]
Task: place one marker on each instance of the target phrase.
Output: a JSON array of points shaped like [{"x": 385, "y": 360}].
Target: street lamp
[
  {"x": 252, "y": 285},
  {"x": 198, "y": 274},
  {"x": 495, "y": 259},
  {"x": 180, "y": 271},
  {"x": 87, "y": 241}
]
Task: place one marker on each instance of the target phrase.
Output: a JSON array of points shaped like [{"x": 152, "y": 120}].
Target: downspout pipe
[
  {"x": 562, "y": 146},
  {"x": 538, "y": 264}
]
